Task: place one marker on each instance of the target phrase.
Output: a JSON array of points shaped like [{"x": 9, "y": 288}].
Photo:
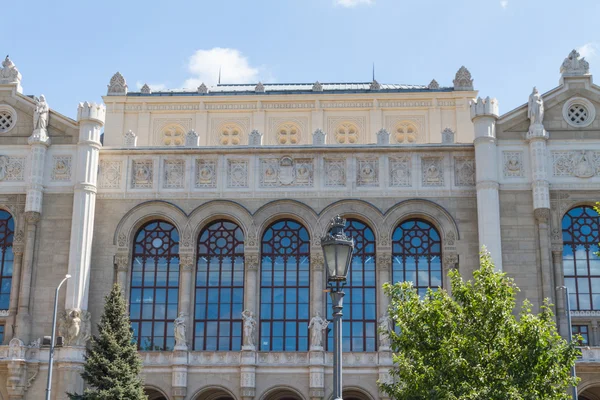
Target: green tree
[
  {"x": 473, "y": 346},
  {"x": 112, "y": 363}
]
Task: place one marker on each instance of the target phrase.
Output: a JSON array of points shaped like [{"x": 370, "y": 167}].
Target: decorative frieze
[
  {"x": 173, "y": 174},
  {"x": 237, "y": 173},
  {"x": 367, "y": 173},
  {"x": 400, "y": 171},
  {"x": 286, "y": 171},
  {"x": 61, "y": 168},
  {"x": 347, "y": 104},
  {"x": 402, "y": 104},
  {"x": 578, "y": 163},
  {"x": 142, "y": 172},
  {"x": 230, "y": 106},
  {"x": 110, "y": 174},
  {"x": 206, "y": 174},
  {"x": 513, "y": 164},
  {"x": 464, "y": 171},
  {"x": 12, "y": 169},
  {"x": 335, "y": 172},
  {"x": 432, "y": 171},
  {"x": 286, "y": 106}
]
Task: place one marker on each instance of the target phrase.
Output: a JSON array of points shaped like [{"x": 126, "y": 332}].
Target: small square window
[{"x": 583, "y": 331}]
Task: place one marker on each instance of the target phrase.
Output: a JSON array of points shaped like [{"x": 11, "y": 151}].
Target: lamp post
[
  {"x": 568, "y": 310},
  {"x": 53, "y": 337},
  {"x": 337, "y": 252}
]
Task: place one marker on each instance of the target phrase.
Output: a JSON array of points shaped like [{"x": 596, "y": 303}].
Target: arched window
[
  {"x": 155, "y": 285},
  {"x": 580, "y": 262},
  {"x": 7, "y": 230},
  {"x": 284, "y": 287},
  {"x": 359, "y": 328},
  {"x": 219, "y": 288},
  {"x": 416, "y": 255}
]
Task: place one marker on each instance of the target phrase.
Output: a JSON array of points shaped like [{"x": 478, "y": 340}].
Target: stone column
[
  {"x": 384, "y": 274},
  {"x": 317, "y": 282},
  {"x": 248, "y": 375},
  {"x": 251, "y": 289},
  {"x": 23, "y": 324},
  {"x": 542, "y": 216},
  {"x": 18, "y": 249},
  {"x": 121, "y": 261},
  {"x": 91, "y": 119},
  {"x": 179, "y": 374},
  {"x": 186, "y": 266},
  {"x": 559, "y": 280},
  {"x": 449, "y": 262},
  {"x": 484, "y": 114}
]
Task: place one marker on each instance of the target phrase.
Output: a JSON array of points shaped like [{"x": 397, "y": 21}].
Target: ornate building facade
[{"x": 207, "y": 206}]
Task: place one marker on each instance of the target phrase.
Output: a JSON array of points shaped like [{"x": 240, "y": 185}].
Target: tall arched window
[
  {"x": 284, "y": 287},
  {"x": 155, "y": 285},
  {"x": 581, "y": 264},
  {"x": 416, "y": 255},
  {"x": 360, "y": 310},
  {"x": 7, "y": 230},
  {"x": 219, "y": 288}
]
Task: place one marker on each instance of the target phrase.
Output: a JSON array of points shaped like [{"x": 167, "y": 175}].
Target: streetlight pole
[
  {"x": 568, "y": 311},
  {"x": 337, "y": 252},
  {"x": 53, "y": 337}
]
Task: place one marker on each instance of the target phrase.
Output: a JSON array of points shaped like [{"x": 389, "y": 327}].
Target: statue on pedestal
[
  {"x": 40, "y": 115},
  {"x": 317, "y": 327},
  {"x": 385, "y": 327},
  {"x": 535, "y": 110},
  {"x": 179, "y": 331},
  {"x": 249, "y": 329}
]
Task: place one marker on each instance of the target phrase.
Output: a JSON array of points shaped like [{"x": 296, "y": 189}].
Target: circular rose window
[
  {"x": 579, "y": 112},
  {"x": 8, "y": 118}
]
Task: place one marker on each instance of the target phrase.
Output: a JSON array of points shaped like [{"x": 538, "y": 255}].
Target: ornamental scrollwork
[
  {"x": 251, "y": 261},
  {"x": 384, "y": 261},
  {"x": 450, "y": 261}
]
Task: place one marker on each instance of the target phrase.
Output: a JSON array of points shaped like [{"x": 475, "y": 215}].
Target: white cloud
[
  {"x": 235, "y": 68},
  {"x": 589, "y": 50},
  {"x": 504, "y": 3},
  {"x": 156, "y": 87},
  {"x": 353, "y": 3}
]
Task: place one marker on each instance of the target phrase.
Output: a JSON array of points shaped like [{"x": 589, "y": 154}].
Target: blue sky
[{"x": 69, "y": 50}]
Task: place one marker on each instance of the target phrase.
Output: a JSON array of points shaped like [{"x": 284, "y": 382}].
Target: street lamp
[
  {"x": 568, "y": 310},
  {"x": 337, "y": 251},
  {"x": 51, "y": 357}
]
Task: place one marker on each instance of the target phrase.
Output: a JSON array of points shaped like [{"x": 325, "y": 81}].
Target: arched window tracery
[
  {"x": 7, "y": 230},
  {"x": 219, "y": 288},
  {"x": 359, "y": 328},
  {"x": 154, "y": 285},
  {"x": 581, "y": 265},
  {"x": 416, "y": 255},
  {"x": 284, "y": 287}
]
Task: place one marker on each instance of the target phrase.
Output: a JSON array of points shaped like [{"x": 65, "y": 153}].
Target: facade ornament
[
  {"x": 384, "y": 261},
  {"x": 9, "y": 73},
  {"x": 317, "y": 262},
  {"x": 4, "y": 163},
  {"x": 145, "y": 89},
  {"x": 179, "y": 332},
  {"x": 122, "y": 262},
  {"x": 383, "y": 137},
  {"x": 40, "y": 114},
  {"x": 432, "y": 173},
  {"x": 317, "y": 326},
  {"x": 317, "y": 87},
  {"x": 583, "y": 166},
  {"x": 122, "y": 240},
  {"x": 255, "y": 138},
  {"x": 535, "y": 108},
  {"x": 463, "y": 79},
  {"x": 542, "y": 215},
  {"x": 32, "y": 217},
  {"x": 35, "y": 344},
  {"x": 192, "y": 139},
  {"x": 433, "y": 85},
  {"x": 75, "y": 326},
  {"x": 15, "y": 349},
  {"x": 202, "y": 89},
  {"x": 259, "y": 88},
  {"x": 574, "y": 66},
  {"x": 250, "y": 240},
  {"x": 130, "y": 139},
  {"x": 447, "y": 136},
  {"x": 386, "y": 326},
  {"x": 483, "y": 107},
  {"x": 249, "y": 330},
  {"x": 450, "y": 238},
  {"x": 450, "y": 261},
  {"x": 319, "y": 137},
  {"x": 117, "y": 85},
  {"x": 251, "y": 261},
  {"x": 375, "y": 85},
  {"x": 384, "y": 239},
  {"x": 186, "y": 262}
]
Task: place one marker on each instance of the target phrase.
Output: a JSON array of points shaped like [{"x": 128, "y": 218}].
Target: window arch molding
[
  {"x": 277, "y": 392},
  {"x": 216, "y": 210},
  {"x": 213, "y": 392},
  {"x": 286, "y": 209},
  {"x": 360, "y": 210}
]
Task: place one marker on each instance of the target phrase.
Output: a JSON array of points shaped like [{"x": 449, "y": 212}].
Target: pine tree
[{"x": 112, "y": 363}]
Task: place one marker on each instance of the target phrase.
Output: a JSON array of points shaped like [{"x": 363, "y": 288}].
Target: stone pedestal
[
  {"x": 179, "y": 373},
  {"x": 248, "y": 374},
  {"x": 317, "y": 374}
]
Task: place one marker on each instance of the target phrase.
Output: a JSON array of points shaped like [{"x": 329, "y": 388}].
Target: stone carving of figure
[
  {"x": 179, "y": 331},
  {"x": 385, "y": 327},
  {"x": 317, "y": 327},
  {"x": 40, "y": 116},
  {"x": 75, "y": 327},
  {"x": 249, "y": 328},
  {"x": 535, "y": 111},
  {"x": 583, "y": 166},
  {"x": 9, "y": 72}
]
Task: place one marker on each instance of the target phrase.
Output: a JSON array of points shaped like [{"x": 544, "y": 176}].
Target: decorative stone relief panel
[
  {"x": 400, "y": 171},
  {"x": 286, "y": 171},
  {"x": 288, "y": 133},
  {"x": 61, "y": 168},
  {"x": 367, "y": 173},
  {"x": 237, "y": 173},
  {"x": 167, "y": 131},
  {"x": 513, "y": 164},
  {"x": 357, "y": 123},
  {"x": 346, "y": 133},
  {"x": 173, "y": 174},
  {"x": 229, "y": 131},
  {"x": 405, "y": 129},
  {"x": 578, "y": 163},
  {"x": 289, "y": 130},
  {"x": 335, "y": 172},
  {"x": 142, "y": 172},
  {"x": 464, "y": 171},
  {"x": 12, "y": 169},
  {"x": 432, "y": 171},
  {"x": 110, "y": 174},
  {"x": 206, "y": 174}
]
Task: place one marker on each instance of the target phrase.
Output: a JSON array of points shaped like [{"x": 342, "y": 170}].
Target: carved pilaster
[
  {"x": 384, "y": 261},
  {"x": 32, "y": 217},
  {"x": 186, "y": 262},
  {"x": 251, "y": 261},
  {"x": 317, "y": 261},
  {"x": 450, "y": 261},
  {"x": 542, "y": 215}
]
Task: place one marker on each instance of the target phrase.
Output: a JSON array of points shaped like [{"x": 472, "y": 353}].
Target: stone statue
[
  {"x": 179, "y": 331},
  {"x": 535, "y": 110},
  {"x": 75, "y": 326},
  {"x": 317, "y": 327},
  {"x": 9, "y": 72},
  {"x": 40, "y": 116},
  {"x": 385, "y": 327},
  {"x": 249, "y": 329}
]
